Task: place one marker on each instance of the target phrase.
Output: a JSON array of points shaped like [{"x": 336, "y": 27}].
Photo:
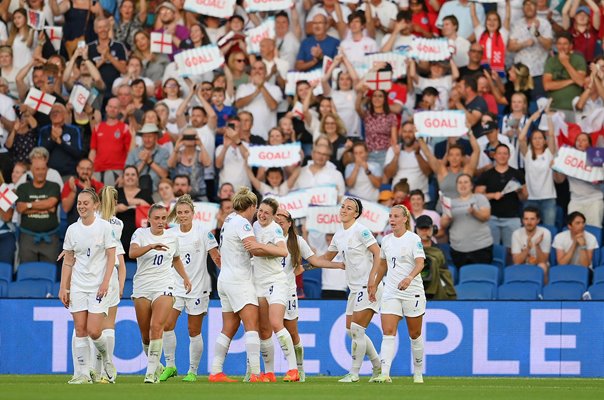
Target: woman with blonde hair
[
  {"x": 156, "y": 250},
  {"x": 195, "y": 244},
  {"x": 402, "y": 256}
]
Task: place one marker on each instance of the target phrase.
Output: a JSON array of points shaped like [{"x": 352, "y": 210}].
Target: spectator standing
[
  {"x": 149, "y": 158},
  {"x": 287, "y": 41},
  {"x": 363, "y": 178},
  {"x": 74, "y": 186},
  {"x": 380, "y": 124},
  {"x": 461, "y": 10},
  {"x": 583, "y": 27},
  {"x": 317, "y": 45}
]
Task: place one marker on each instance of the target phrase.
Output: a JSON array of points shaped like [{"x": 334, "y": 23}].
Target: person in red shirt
[
  {"x": 423, "y": 22},
  {"x": 74, "y": 186},
  {"x": 110, "y": 144},
  {"x": 582, "y": 28}
]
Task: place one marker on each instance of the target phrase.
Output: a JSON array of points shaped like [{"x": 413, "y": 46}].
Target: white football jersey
[
  {"x": 89, "y": 244},
  {"x": 268, "y": 269},
  {"x": 353, "y": 245},
  {"x": 117, "y": 226},
  {"x": 400, "y": 254},
  {"x": 194, "y": 247},
  {"x": 154, "y": 268},
  {"x": 236, "y": 260},
  {"x": 286, "y": 262}
]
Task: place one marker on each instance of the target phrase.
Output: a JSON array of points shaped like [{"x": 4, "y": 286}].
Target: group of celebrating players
[{"x": 258, "y": 264}]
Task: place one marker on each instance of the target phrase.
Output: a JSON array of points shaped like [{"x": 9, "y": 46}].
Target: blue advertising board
[{"x": 461, "y": 339}]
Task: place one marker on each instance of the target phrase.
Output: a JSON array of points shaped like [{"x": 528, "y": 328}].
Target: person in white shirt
[
  {"x": 231, "y": 156},
  {"x": 272, "y": 292},
  {"x": 235, "y": 285},
  {"x": 461, "y": 10},
  {"x": 532, "y": 244},
  {"x": 156, "y": 250},
  {"x": 363, "y": 178},
  {"x": 360, "y": 253},
  {"x": 460, "y": 46},
  {"x": 402, "y": 256},
  {"x": 321, "y": 171},
  {"x": 286, "y": 41},
  {"x": 384, "y": 14},
  {"x": 401, "y": 33},
  {"x": 357, "y": 44},
  {"x": 575, "y": 246},
  {"x": 195, "y": 242},
  {"x": 89, "y": 252},
  {"x": 259, "y": 98},
  {"x": 297, "y": 249}
]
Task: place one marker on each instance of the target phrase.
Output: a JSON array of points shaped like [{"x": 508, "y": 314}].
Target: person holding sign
[
  {"x": 156, "y": 250},
  {"x": 360, "y": 251},
  {"x": 195, "y": 244},
  {"x": 297, "y": 249},
  {"x": 402, "y": 257},
  {"x": 469, "y": 233}
]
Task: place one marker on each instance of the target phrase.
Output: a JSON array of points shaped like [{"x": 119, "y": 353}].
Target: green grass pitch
[{"x": 43, "y": 387}]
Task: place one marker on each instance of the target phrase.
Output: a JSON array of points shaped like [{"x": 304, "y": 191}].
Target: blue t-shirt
[
  {"x": 329, "y": 45},
  {"x": 222, "y": 118}
]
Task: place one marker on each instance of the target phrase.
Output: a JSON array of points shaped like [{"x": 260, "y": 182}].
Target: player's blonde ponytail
[
  {"x": 108, "y": 201},
  {"x": 244, "y": 199}
]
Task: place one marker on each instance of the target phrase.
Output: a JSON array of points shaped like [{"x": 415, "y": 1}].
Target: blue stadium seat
[
  {"x": 36, "y": 289},
  {"x": 454, "y": 273},
  {"x": 553, "y": 258},
  {"x": 127, "y": 289},
  {"x": 3, "y": 288},
  {"x": 598, "y": 276},
  {"x": 598, "y": 257},
  {"x": 130, "y": 269},
  {"x": 499, "y": 256},
  {"x": 312, "y": 289},
  {"x": 476, "y": 291},
  {"x": 6, "y": 272},
  {"x": 55, "y": 289},
  {"x": 523, "y": 273},
  {"x": 563, "y": 291},
  {"x": 446, "y": 249},
  {"x": 597, "y": 291},
  {"x": 37, "y": 270},
  {"x": 570, "y": 273},
  {"x": 479, "y": 273},
  {"x": 551, "y": 228},
  {"x": 518, "y": 291}
]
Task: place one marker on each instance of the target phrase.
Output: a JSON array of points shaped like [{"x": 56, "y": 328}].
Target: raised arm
[
  {"x": 474, "y": 157},
  {"x": 475, "y": 20}
]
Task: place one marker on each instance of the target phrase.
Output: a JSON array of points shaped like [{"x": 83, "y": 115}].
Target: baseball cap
[
  {"x": 424, "y": 221},
  {"x": 385, "y": 195},
  {"x": 584, "y": 9},
  {"x": 487, "y": 127}
]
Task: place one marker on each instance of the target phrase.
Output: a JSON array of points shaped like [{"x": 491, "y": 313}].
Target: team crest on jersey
[
  {"x": 420, "y": 246},
  {"x": 279, "y": 231},
  {"x": 366, "y": 234},
  {"x": 247, "y": 227},
  {"x": 66, "y": 137},
  {"x": 117, "y": 134},
  {"x": 211, "y": 236}
]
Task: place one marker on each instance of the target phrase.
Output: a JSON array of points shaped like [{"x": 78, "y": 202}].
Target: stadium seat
[
  {"x": 36, "y": 289},
  {"x": 598, "y": 257},
  {"x": 37, "y": 271},
  {"x": 569, "y": 273},
  {"x": 55, "y": 289},
  {"x": 597, "y": 291},
  {"x": 553, "y": 258},
  {"x": 312, "y": 289},
  {"x": 523, "y": 273},
  {"x": 499, "y": 256},
  {"x": 563, "y": 291},
  {"x": 476, "y": 291},
  {"x": 127, "y": 289},
  {"x": 598, "y": 276},
  {"x": 518, "y": 291},
  {"x": 3, "y": 288},
  {"x": 479, "y": 273},
  {"x": 446, "y": 249},
  {"x": 551, "y": 228},
  {"x": 454, "y": 273},
  {"x": 6, "y": 272},
  {"x": 130, "y": 269}
]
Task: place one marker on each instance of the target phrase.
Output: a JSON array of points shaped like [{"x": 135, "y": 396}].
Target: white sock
[
  {"x": 195, "y": 352},
  {"x": 170, "y": 348},
  {"x": 387, "y": 353},
  {"x": 252, "y": 348},
  {"x": 299, "y": 350},
  {"x": 155, "y": 347},
  {"x": 267, "y": 350},
  {"x": 417, "y": 349},
  {"x": 287, "y": 345},
  {"x": 81, "y": 355},
  {"x": 359, "y": 347},
  {"x": 372, "y": 353},
  {"x": 109, "y": 335},
  {"x": 96, "y": 359},
  {"x": 74, "y": 359},
  {"x": 221, "y": 348}
]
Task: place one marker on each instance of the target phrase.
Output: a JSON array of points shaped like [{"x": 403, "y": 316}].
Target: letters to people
[
  {"x": 199, "y": 60},
  {"x": 311, "y": 77},
  {"x": 451, "y": 123},
  {"x": 274, "y": 156},
  {"x": 326, "y": 219},
  {"x": 395, "y": 59},
  {"x": 573, "y": 162},
  {"x": 206, "y": 213},
  {"x": 298, "y": 202},
  {"x": 267, "y": 5},
  {"x": 254, "y": 36},
  {"x": 214, "y": 8},
  {"x": 430, "y": 49}
]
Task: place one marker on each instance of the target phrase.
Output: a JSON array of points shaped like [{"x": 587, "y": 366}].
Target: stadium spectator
[
  {"x": 575, "y": 246},
  {"x": 363, "y": 178},
  {"x": 320, "y": 171},
  {"x": 52, "y": 175},
  {"x": 108, "y": 56},
  {"x": 316, "y": 45},
  {"x": 335, "y": 16},
  {"x": 8, "y": 70},
  {"x": 401, "y": 33},
  {"x": 418, "y": 202},
  {"x": 583, "y": 28},
  {"x": 277, "y": 67},
  {"x": 488, "y": 141},
  {"x": 74, "y": 186},
  {"x": 150, "y": 159},
  {"x": 460, "y": 45},
  {"x": 286, "y": 36},
  {"x": 230, "y": 156},
  {"x": 181, "y": 185},
  {"x": 38, "y": 204},
  {"x": 168, "y": 21},
  {"x": 461, "y": 10},
  {"x": 531, "y": 244},
  {"x": 505, "y": 188},
  {"x": 63, "y": 142},
  {"x": 465, "y": 97},
  {"x": 531, "y": 39},
  {"x": 492, "y": 36},
  {"x": 129, "y": 22},
  {"x": 8, "y": 118},
  {"x": 191, "y": 158},
  {"x": 357, "y": 44},
  {"x": 165, "y": 192},
  {"x": 406, "y": 161},
  {"x": 469, "y": 232},
  {"x": 438, "y": 78},
  {"x": 8, "y": 238},
  {"x": 564, "y": 76},
  {"x": 110, "y": 145},
  {"x": 134, "y": 69},
  {"x": 154, "y": 64}
]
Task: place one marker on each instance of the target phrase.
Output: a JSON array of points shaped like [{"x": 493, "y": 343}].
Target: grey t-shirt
[{"x": 466, "y": 232}]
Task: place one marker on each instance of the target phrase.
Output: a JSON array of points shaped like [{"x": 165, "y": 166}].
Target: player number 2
[
  {"x": 360, "y": 297},
  {"x": 158, "y": 259}
]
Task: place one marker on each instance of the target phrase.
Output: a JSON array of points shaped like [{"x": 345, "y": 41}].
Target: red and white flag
[
  {"x": 7, "y": 197},
  {"x": 79, "y": 97},
  {"x": 55, "y": 35},
  {"x": 39, "y": 100},
  {"x": 161, "y": 43},
  {"x": 379, "y": 80}
]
